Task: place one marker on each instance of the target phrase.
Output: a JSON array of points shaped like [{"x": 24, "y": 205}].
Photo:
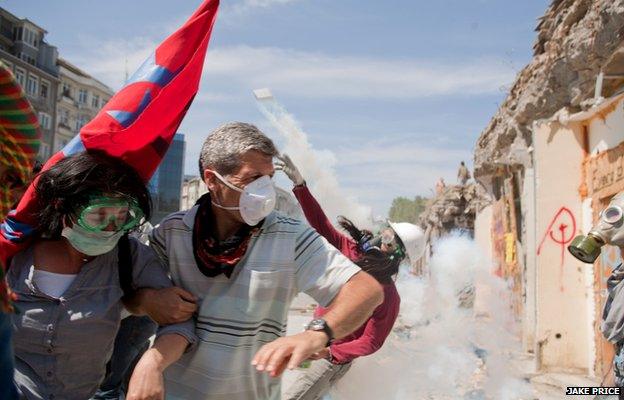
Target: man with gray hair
[{"x": 245, "y": 262}]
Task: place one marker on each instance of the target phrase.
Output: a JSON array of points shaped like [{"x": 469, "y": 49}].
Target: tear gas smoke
[
  {"x": 440, "y": 349},
  {"x": 316, "y": 166}
]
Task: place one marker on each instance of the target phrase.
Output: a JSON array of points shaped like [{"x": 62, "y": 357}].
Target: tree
[{"x": 406, "y": 210}]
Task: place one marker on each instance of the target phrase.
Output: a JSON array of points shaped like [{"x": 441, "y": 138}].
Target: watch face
[{"x": 317, "y": 325}]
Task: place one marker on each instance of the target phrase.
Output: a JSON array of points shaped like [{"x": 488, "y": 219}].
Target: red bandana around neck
[{"x": 214, "y": 257}]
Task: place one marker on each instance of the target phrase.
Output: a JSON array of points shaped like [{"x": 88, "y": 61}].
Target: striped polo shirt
[{"x": 239, "y": 315}]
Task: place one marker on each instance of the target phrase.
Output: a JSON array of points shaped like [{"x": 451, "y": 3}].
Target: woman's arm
[
  {"x": 318, "y": 220},
  {"x": 147, "y": 381},
  {"x": 313, "y": 212},
  {"x": 378, "y": 327}
]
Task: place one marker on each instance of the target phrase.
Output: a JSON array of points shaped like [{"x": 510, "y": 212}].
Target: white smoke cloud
[
  {"x": 316, "y": 166},
  {"x": 440, "y": 350}
]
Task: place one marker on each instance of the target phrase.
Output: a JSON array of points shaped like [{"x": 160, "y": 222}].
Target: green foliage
[{"x": 406, "y": 210}]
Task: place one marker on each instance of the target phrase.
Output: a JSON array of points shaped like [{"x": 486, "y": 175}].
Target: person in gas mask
[
  {"x": 246, "y": 263},
  {"x": 78, "y": 273},
  {"x": 380, "y": 255}
]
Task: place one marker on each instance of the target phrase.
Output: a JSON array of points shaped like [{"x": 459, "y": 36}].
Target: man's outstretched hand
[{"x": 289, "y": 352}]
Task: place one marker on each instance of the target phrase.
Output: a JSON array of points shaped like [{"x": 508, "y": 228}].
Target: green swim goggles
[{"x": 102, "y": 212}]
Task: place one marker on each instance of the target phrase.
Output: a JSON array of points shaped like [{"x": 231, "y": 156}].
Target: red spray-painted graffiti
[{"x": 561, "y": 222}]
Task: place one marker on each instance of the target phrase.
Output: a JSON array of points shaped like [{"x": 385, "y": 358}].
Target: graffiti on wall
[
  {"x": 560, "y": 232},
  {"x": 498, "y": 232}
]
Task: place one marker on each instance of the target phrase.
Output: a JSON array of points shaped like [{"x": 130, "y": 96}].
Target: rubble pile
[
  {"x": 576, "y": 40},
  {"x": 453, "y": 209}
]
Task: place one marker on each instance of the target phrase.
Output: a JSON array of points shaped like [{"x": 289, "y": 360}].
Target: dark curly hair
[{"x": 68, "y": 185}]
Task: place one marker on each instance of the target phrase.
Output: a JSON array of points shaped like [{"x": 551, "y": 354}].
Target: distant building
[
  {"x": 166, "y": 184},
  {"x": 33, "y": 61},
  {"x": 194, "y": 187},
  {"x": 79, "y": 99}
]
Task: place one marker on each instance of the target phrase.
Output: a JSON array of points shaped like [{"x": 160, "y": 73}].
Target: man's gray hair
[{"x": 224, "y": 146}]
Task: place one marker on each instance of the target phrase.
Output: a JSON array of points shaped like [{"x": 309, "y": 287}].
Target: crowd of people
[{"x": 98, "y": 305}]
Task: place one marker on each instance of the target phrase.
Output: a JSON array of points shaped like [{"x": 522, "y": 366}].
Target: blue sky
[{"x": 398, "y": 90}]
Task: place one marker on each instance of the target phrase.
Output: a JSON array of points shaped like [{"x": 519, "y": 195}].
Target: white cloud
[
  {"x": 405, "y": 168},
  {"x": 306, "y": 74},
  {"x": 205, "y": 96},
  {"x": 398, "y": 150},
  {"x": 319, "y": 75},
  {"x": 246, "y": 6},
  {"x": 109, "y": 60}
]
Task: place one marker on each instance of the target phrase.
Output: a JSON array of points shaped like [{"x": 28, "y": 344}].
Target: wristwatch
[{"x": 320, "y": 324}]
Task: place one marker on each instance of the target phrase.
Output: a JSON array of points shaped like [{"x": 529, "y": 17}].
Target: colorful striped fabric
[{"x": 20, "y": 135}]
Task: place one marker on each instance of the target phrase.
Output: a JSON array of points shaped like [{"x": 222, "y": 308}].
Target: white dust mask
[
  {"x": 257, "y": 199},
  {"x": 91, "y": 243}
]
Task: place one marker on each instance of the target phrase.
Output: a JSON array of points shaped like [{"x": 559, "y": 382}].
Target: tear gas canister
[{"x": 608, "y": 230}]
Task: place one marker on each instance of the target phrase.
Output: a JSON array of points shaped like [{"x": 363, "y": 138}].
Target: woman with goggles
[
  {"x": 379, "y": 255},
  {"x": 77, "y": 275}
]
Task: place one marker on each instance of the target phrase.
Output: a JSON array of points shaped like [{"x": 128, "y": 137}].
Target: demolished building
[
  {"x": 550, "y": 159},
  {"x": 453, "y": 209}
]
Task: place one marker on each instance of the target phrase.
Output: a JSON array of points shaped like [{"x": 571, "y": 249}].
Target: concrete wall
[
  {"x": 606, "y": 129},
  {"x": 561, "y": 295},
  {"x": 530, "y": 257},
  {"x": 586, "y": 224},
  {"x": 483, "y": 232}
]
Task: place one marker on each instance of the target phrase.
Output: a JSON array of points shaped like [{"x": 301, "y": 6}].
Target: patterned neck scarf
[{"x": 214, "y": 257}]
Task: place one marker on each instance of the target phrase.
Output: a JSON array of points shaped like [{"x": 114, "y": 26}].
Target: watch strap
[{"x": 330, "y": 334}]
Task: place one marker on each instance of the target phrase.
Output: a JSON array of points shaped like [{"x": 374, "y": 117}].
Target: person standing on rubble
[
  {"x": 379, "y": 255},
  {"x": 463, "y": 175},
  {"x": 440, "y": 186}
]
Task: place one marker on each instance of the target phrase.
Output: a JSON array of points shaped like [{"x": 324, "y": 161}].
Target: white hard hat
[{"x": 412, "y": 237}]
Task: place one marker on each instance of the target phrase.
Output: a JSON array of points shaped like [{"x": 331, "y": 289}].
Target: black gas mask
[{"x": 387, "y": 239}]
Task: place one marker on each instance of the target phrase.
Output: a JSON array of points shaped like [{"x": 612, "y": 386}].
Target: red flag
[{"x": 138, "y": 123}]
